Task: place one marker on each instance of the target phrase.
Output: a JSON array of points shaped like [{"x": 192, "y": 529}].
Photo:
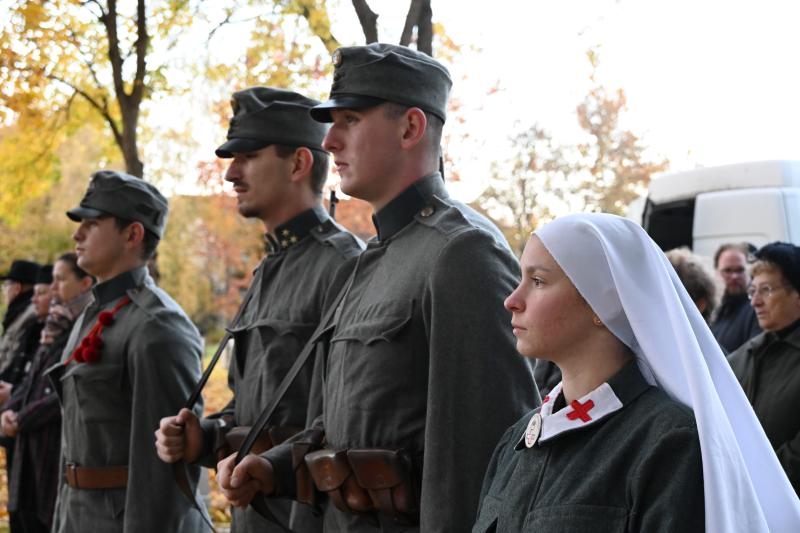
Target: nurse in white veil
[{"x": 634, "y": 298}]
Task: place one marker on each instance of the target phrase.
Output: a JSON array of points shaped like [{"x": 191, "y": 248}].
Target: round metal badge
[{"x": 533, "y": 430}]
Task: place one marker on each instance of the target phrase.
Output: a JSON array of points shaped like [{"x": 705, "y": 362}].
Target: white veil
[{"x": 634, "y": 290}]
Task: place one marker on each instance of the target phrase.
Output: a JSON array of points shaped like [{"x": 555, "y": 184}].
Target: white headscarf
[{"x": 633, "y": 289}]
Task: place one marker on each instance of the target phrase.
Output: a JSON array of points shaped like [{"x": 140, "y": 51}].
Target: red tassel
[
  {"x": 91, "y": 355},
  {"x": 88, "y": 351},
  {"x": 105, "y": 318}
]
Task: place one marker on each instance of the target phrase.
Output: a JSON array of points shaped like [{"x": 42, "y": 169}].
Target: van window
[{"x": 670, "y": 224}]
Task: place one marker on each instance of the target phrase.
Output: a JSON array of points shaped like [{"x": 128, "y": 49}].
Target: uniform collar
[
  {"x": 110, "y": 290},
  {"x": 296, "y": 229},
  {"x": 624, "y": 387},
  {"x": 398, "y": 213}
]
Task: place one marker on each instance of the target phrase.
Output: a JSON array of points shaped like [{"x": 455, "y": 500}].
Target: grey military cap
[
  {"x": 124, "y": 196},
  {"x": 366, "y": 76},
  {"x": 264, "y": 116}
]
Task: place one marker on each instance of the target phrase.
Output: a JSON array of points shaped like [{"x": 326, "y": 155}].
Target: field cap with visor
[
  {"x": 123, "y": 196},
  {"x": 366, "y": 76},
  {"x": 264, "y": 116}
]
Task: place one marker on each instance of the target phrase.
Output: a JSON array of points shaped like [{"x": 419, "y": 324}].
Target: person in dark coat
[
  {"x": 768, "y": 366},
  {"x": 734, "y": 322},
  {"x": 278, "y": 172},
  {"x": 647, "y": 431},
  {"x": 33, "y": 415},
  {"x": 420, "y": 375},
  {"x": 19, "y": 323}
]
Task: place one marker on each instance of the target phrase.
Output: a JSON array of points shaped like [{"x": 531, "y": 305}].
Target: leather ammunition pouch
[
  {"x": 364, "y": 480},
  {"x": 390, "y": 480},
  {"x": 306, "y": 492}
]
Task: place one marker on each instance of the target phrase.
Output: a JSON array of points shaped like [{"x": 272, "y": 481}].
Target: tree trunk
[
  {"x": 368, "y": 20},
  {"x": 421, "y": 16}
]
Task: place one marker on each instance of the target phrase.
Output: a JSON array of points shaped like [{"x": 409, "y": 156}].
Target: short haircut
[
  {"x": 71, "y": 259},
  {"x": 433, "y": 131},
  {"x": 149, "y": 242},
  {"x": 743, "y": 247},
  {"x": 319, "y": 168},
  {"x": 696, "y": 278}
]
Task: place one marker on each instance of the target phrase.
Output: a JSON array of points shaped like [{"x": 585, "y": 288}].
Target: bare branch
[
  {"x": 419, "y": 15},
  {"x": 141, "y": 52},
  {"x": 368, "y": 20},
  {"x": 86, "y": 3},
  {"x": 110, "y": 22},
  {"x": 102, "y": 109},
  {"x": 425, "y": 28},
  {"x": 321, "y": 27},
  {"x": 411, "y": 20}
]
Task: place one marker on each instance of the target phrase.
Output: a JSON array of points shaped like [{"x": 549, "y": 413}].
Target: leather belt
[{"x": 96, "y": 477}]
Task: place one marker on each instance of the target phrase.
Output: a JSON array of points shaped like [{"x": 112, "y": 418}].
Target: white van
[{"x": 755, "y": 202}]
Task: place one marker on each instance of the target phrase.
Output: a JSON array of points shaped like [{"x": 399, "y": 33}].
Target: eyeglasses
[
  {"x": 764, "y": 290},
  {"x": 731, "y": 271}
]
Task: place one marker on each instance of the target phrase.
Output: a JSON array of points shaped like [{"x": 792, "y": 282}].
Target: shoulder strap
[{"x": 291, "y": 375}]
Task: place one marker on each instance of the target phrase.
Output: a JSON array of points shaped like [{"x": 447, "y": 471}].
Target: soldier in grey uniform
[
  {"x": 421, "y": 374},
  {"x": 132, "y": 358},
  {"x": 278, "y": 170}
]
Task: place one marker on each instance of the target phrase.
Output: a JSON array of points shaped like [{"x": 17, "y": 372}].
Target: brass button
[
  {"x": 426, "y": 211},
  {"x": 336, "y": 58}
]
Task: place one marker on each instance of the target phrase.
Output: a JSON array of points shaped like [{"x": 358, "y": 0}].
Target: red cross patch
[{"x": 580, "y": 410}]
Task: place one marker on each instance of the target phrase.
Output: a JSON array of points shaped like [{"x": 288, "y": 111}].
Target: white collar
[{"x": 583, "y": 412}]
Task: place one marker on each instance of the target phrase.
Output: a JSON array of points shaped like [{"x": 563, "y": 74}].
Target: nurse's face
[{"x": 549, "y": 317}]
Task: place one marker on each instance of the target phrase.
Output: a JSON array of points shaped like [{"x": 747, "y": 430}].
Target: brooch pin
[{"x": 533, "y": 430}]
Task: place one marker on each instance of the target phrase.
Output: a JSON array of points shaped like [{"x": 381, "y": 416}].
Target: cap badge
[
  {"x": 336, "y": 58},
  {"x": 533, "y": 430}
]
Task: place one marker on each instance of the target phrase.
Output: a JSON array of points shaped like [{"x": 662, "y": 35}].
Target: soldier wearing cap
[
  {"x": 132, "y": 357},
  {"x": 411, "y": 406},
  {"x": 278, "y": 170}
]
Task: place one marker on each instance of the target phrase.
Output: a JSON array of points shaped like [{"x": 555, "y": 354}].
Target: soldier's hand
[
  {"x": 179, "y": 437},
  {"x": 8, "y": 423},
  {"x": 5, "y": 391},
  {"x": 240, "y": 483}
]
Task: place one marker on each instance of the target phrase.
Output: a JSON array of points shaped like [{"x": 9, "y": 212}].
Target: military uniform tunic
[
  {"x": 421, "y": 356},
  {"x": 290, "y": 288},
  {"x": 149, "y": 363},
  {"x": 628, "y": 461}
]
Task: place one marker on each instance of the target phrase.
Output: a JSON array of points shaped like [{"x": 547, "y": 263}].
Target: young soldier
[
  {"x": 421, "y": 371},
  {"x": 278, "y": 170},
  {"x": 132, "y": 357}
]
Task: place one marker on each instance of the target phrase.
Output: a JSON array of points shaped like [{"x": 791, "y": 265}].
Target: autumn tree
[
  {"x": 523, "y": 189},
  {"x": 544, "y": 178},
  {"x": 56, "y": 51},
  {"x": 613, "y": 168}
]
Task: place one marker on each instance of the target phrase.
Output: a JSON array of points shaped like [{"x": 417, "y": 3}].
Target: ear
[
  {"x": 414, "y": 127},
  {"x": 134, "y": 234},
  {"x": 302, "y": 162},
  {"x": 86, "y": 283}
]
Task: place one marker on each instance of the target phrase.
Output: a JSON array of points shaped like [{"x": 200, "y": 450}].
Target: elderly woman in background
[
  {"x": 648, "y": 430},
  {"x": 768, "y": 366},
  {"x": 33, "y": 414}
]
